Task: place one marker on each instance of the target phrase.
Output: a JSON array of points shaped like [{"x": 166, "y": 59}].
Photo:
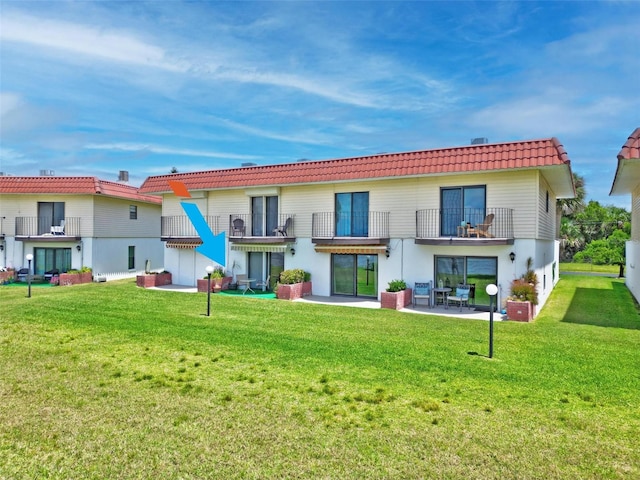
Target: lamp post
[
  {"x": 29, "y": 257},
  {"x": 491, "y": 290},
  {"x": 209, "y": 270}
]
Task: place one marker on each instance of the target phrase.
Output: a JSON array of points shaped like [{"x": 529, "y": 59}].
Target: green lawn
[
  {"x": 589, "y": 267},
  {"x": 112, "y": 381}
]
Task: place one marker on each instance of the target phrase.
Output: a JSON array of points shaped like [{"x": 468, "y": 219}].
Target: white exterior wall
[{"x": 632, "y": 264}]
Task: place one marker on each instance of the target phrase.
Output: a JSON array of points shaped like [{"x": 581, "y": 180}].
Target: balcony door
[
  {"x": 354, "y": 275},
  {"x": 49, "y": 215},
  {"x": 461, "y": 204},
  {"x": 352, "y": 214},
  {"x": 264, "y": 215}
]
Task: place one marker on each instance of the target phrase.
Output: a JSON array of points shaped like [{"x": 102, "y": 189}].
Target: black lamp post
[
  {"x": 209, "y": 270},
  {"x": 29, "y": 258},
  {"x": 491, "y": 290}
]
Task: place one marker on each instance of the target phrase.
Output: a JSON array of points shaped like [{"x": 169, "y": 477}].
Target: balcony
[
  {"x": 331, "y": 228},
  {"x": 179, "y": 227},
  {"x": 41, "y": 229},
  {"x": 250, "y": 228},
  {"x": 437, "y": 226}
]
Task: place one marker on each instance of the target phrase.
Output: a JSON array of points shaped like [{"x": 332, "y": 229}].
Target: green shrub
[
  {"x": 524, "y": 291},
  {"x": 397, "y": 286},
  {"x": 295, "y": 275}
]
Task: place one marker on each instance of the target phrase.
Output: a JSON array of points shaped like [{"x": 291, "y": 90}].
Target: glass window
[
  {"x": 133, "y": 212},
  {"x": 354, "y": 275},
  {"x": 47, "y": 259},
  {"x": 264, "y": 215},
  {"x": 461, "y": 204},
  {"x": 132, "y": 257},
  {"x": 352, "y": 214},
  {"x": 476, "y": 271},
  {"x": 49, "y": 214}
]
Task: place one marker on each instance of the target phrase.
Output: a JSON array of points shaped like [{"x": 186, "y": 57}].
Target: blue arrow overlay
[{"x": 213, "y": 246}]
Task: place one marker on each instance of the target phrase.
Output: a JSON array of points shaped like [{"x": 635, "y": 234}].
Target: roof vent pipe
[
  {"x": 123, "y": 176},
  {"x": 479, "y": 141}
]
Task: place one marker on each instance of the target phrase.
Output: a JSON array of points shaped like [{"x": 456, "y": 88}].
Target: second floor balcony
[
  {"x": 350, "y": 227},
  {"x": 180, "y": 227},
  {"x": 469, "y": 226},
  {"x": 43, "y": 228},
  {"x": 259, "y": 228}
]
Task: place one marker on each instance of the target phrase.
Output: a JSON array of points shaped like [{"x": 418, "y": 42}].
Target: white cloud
[
  {"x": 161, "y": 150},
  {"x": 84, "y": 40},
  {"x": 547, "y": 115}
]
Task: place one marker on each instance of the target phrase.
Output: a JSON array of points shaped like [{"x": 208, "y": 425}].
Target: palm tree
[{"x": 570, "y": 206}]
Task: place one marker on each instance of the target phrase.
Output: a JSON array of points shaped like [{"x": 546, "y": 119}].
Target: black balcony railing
[
  {"x": 358, "y": 225},
  {"x": 43, "y": 226},
  {"x": 258, "y": 225},
  {"x": 452, "y": 222},
  {"x": 180, "y": 226}
]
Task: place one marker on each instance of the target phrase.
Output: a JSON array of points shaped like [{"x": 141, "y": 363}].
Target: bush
[
  {"x": 295, "y": 275},
  {"x": 397, "y": 286},
  {"x": 218, "y": 272},
  {"x": 522, "y": 290}
]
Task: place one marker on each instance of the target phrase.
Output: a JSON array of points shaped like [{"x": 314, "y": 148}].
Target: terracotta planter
[
  {"x": 75, "y": 278},
  {"x": 520, "y": 311},
  {"x": 395, "y": 300},
  {"x": 6, "y": 277},
  {"x": 153, "y": 280},
  {"x": 306, "y": 289},
  {"x": 289, "y": 292}
]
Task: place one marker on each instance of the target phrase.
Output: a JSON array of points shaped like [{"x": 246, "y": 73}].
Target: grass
[
  {"x": 113, "y": 381},
  {"x": 589, "y": 267}
]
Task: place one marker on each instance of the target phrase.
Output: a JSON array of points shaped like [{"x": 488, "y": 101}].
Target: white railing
[{"x": 107, "y": 277}]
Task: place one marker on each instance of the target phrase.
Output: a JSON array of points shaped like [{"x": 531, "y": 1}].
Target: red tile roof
[
  {"x": 73, "y": 186},
  {"x": 472, "y": 158},
  {"x": 627, "y": 176},
  {"x": 631, "y": 149}
]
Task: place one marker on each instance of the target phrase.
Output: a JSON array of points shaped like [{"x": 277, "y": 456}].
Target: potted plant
[
  {"x": 293, "y": 284},
  {"x": 397, "y": 295},
  {"x": 74, "y": 277},
  {"x": 219, "y": 281},
  {"x": 154, "y": 279},
  {"x": 522, "y": 302}
]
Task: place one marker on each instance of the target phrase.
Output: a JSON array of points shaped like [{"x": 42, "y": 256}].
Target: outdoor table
[
  {"x": 444, "y": 291},
  {"x": 247, "y": 285}
]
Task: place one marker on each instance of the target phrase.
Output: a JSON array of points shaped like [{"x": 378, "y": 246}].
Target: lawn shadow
[{"x": 603, "y": 308}]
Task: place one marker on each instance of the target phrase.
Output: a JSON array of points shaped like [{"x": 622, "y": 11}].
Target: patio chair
[
  {"x": 422, "y": 291},
  {"x": 238, "y": 227},
  {"x": 22, "y": 274},
  {"x": 58, "y": 229},
  {"x": 264, "y": 285},
  {"x": 461, "y": 296},
  {"x": 482, "y": 229},
  {"x": 282, "y": 229}
]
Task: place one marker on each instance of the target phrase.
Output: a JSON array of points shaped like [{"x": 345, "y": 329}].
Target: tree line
[{"x": 591, "y": 232}]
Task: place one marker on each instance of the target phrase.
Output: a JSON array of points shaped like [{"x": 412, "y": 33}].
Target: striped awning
[
  {"x": 252, "y": 247},
  {"x": 183, "y": 243},
  {"x": 352, "y": 249}
]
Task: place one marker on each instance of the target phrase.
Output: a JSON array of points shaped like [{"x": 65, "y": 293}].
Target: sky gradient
[{"x": 92, "y": 88}]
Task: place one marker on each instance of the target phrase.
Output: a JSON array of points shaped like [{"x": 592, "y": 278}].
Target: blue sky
[{"x": 92, "y": 88}]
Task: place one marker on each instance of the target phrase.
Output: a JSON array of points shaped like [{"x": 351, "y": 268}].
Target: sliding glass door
[
  {"x": 476, "y": 271},
  {"x": 352, "y": 214},
  {"x": 461, "y": 204},
  {"x": 354, "y": 275}
]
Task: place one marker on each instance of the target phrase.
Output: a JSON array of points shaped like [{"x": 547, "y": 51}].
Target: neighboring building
[
  {"x": 357, "y": 223},
  {"x": 627, "y": 181},
  {"x": 71, "y": 222}
]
